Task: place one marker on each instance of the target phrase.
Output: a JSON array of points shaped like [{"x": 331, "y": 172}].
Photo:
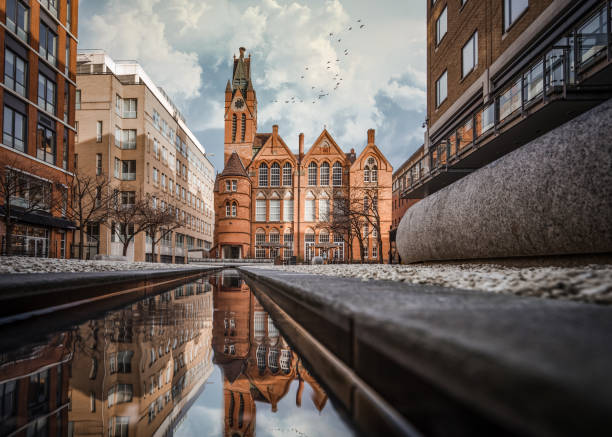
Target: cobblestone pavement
[
  {"x": 590, "y": 283},
  {"x": 17, "y": 264}
]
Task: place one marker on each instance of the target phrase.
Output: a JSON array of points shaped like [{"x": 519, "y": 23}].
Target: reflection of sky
[{"x": 205, "y": 417}]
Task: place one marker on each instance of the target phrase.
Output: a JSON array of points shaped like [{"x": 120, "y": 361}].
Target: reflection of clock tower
[{"x": 240, "y": 111}]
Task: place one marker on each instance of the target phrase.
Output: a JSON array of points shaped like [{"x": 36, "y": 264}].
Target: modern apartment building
[
  {"x": 130, "y": 131},
  {"x": 503, "y": 72},
  {"x": 39, "y": 41},
  {"x": 273, "y": 203}
]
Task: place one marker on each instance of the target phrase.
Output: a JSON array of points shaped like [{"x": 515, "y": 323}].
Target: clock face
[{"x": 239, "y": 103}]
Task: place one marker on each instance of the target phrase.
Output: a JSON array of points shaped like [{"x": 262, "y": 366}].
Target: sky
[{"x": 187, "y": 48}]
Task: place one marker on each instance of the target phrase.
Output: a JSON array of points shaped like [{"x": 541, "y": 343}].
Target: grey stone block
[
  {"x": 110, "y": 258},
  {"x": 552, "y": 196}
]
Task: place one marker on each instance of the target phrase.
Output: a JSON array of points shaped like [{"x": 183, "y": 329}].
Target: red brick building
[
  {"x": 270, "y": 202},
  {"x": 39, "y": 40}
]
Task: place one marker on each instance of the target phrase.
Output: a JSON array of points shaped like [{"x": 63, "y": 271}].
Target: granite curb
[
  {"x": 27, "y": 292},
  {"x": 527, "y": 366}
]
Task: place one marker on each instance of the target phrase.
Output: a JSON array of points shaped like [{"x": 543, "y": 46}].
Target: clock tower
[{"x": 240, "y": 111}]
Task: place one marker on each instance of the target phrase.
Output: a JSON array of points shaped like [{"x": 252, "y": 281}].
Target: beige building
[{"x": 129, "y": 130}]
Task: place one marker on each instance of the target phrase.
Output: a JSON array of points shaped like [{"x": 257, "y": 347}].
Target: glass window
[
  {"x": 312, "y": 174},
  {"x": 77, "y": 102},
  {"x": 288, "y": 210},
  {"x": 263, "y": 175},
  {"x": 260, "y": 210},
  {"x": 309, "y": 210},
  {"x": 228, "y": 186},
  {"x": 129, "y": 139},
  {"x": 441, "y": 89},
  {"x": 51, "y": 5},
  {"x": 128, "y": 170},
  {"x": 260, "y": 252},
  {"x": 323, "y": 210},
  {"x": 234, "y": 185},
  {"x": 469, "y": 55},
  {"x": 14, "y": 129},
  {"x": 46, "y": 143},
  {"x": 234, "y": 209},
  {"x": 48, "y": 44},
  {"x": 337, "y": 174},
  {"x": 46, "y": 94},
  {"x": 67, "y": 60},
  {"x": 129, "y": 108},
  {"x": 98, "y": 131},
  {"x": 275, "y": 175},
  {"x": 324, "y": 174},
  {"x": 18, "y": 18},
  {"x": 513, "y": 10},
  {"x": 275, "y": 210},
  {"x": 441, "y": 26},
  {"x": 510, "y": 101},
  {"x": 287, "y": 178},
  {"x": 15, "y": 70},
  {"x": 65, "y": 150}
]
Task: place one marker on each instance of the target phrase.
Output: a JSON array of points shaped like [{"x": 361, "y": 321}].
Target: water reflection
[{"x": 138, "y": 371}]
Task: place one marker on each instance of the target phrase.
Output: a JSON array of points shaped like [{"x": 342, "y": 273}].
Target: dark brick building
[{"x": 503, "y": 72}]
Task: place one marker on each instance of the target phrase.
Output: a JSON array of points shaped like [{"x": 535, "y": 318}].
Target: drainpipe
[{"x": 300, "y": 155}]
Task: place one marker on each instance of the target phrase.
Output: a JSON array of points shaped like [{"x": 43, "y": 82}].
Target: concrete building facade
[
  {"x": 39, "y": 40},
  {"x": 502, "y": 73},
  {"x": 130, "y": 131},
  {"x": 273, "y": 203}
]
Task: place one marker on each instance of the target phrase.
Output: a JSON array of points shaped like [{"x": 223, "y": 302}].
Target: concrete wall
[{"x": 552, "y": 196}]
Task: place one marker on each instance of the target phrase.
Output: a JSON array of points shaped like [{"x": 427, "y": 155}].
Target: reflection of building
[
  {"x": 34, "y": 390},
  {"x": 271, "y": 202},
  {"x": 258, "y": 365},
  {"x": 137, "y": 372},
  {"x": 502, "y": 74},
  {"x": 131, "y": 132},
  {"x": 39, "y": 41}
]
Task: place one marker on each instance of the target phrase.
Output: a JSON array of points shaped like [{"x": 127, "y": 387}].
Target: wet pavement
[{"x": 201, "y": 359}]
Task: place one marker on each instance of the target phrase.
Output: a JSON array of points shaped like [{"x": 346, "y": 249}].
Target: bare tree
[
  {"x": 91, "y": 202},
  {"x": 159, "y": 220},
  {"x": 371, "y": 215},
  {"x": 21, "y": 193},
  {"x": 130, "y": 219}
]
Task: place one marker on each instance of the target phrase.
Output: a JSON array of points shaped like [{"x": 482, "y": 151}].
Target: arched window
[
  {"x": 275, "y": 175},
  {"x": 234, "y": 121},
  {"x": 287, "y": 179},
  {"x": 243, "y": 127},
  {"x": 274, "y": 243},
  {"x": 263, "y": 175},
  {"x": 370, "y": 173},
  {"x": 337, "y": 175},
  {"x": 324, "y": 174},
  {"x": 227, "y": 209},
  {"x": 312, "y": 173},
  {"x": 234, "y": 209}
]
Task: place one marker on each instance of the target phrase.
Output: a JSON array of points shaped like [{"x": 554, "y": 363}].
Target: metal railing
[
  {"x": 559, "y": 68},
  {"x": 232, "y": 261}
]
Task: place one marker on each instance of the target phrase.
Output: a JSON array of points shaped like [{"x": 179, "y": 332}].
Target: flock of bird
[{"x": 332, "y": 67}]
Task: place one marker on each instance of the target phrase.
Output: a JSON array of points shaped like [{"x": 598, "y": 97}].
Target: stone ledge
[{"x": 507, "y": 364}]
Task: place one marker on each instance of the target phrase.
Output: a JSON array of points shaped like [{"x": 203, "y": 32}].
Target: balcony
[{"x": 569, "y": 78}]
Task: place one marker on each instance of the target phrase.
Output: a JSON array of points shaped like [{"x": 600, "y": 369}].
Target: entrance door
[{"x": 235, "y": 252}]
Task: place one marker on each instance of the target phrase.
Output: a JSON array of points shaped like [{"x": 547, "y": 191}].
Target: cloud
[
  {"x": 187, "y": 47},
  {"x": 135, "y": 31}
]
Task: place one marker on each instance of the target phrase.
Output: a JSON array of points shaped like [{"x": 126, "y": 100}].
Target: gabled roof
[
  {"x": 325, "y": 134},
  {"x": 376, "y": 151},
  {"x": 264, "y": 141},
  {"x": 234, "y": 167}
]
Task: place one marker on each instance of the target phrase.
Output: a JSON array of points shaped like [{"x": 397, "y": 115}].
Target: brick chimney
[
  {"x": 371, "y": 133},
  {"x": 301, "y": 145}
]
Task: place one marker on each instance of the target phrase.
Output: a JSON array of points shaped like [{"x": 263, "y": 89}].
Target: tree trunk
[
  {"x": 81, "y": 245},
  {"x": 153, "y": 254},
  {"x": 8, "y": 235},
  {"x": 126, "y": 244}
]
